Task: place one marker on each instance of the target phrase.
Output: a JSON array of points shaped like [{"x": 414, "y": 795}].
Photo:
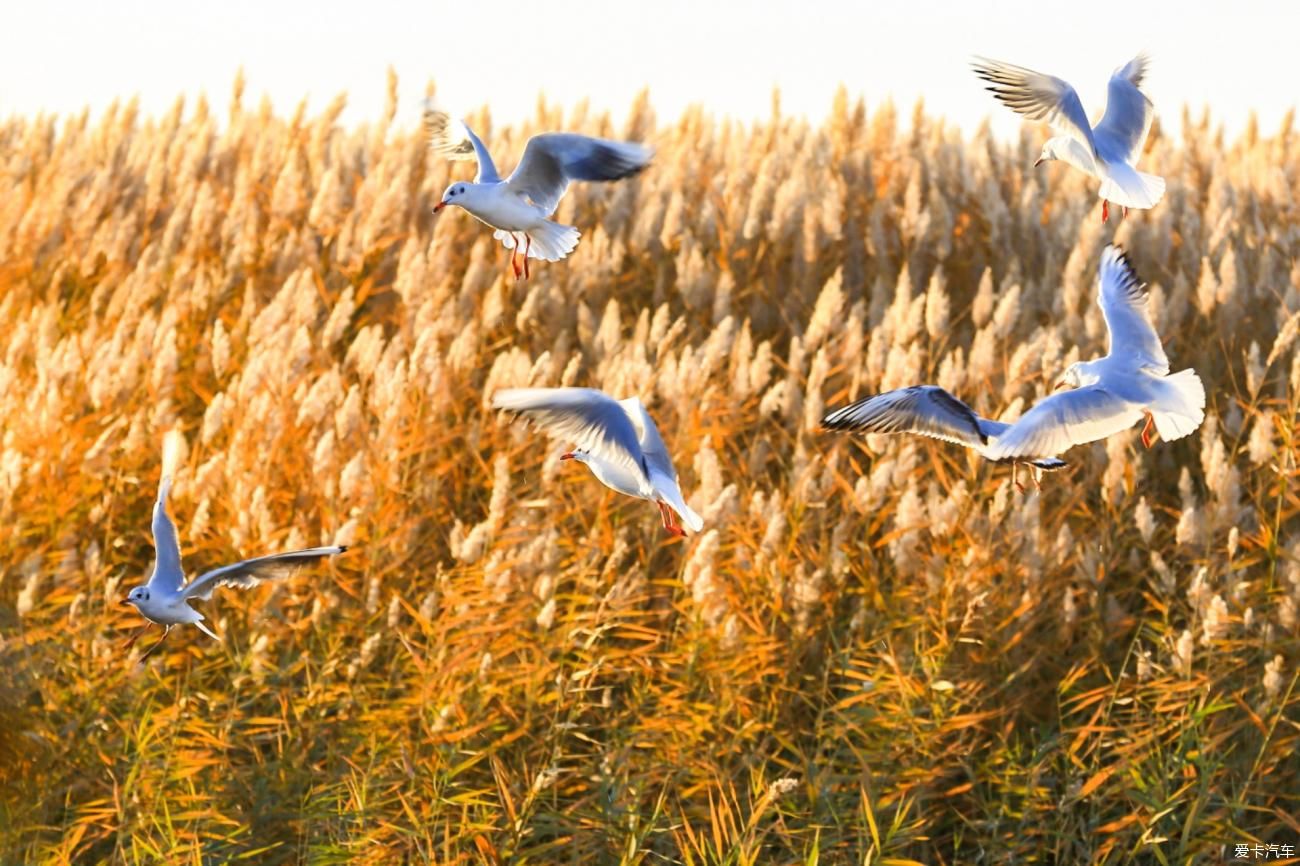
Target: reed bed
[{"x": 879, "y": 651}]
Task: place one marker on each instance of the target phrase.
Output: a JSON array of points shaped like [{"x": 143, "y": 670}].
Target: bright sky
[{"x": 62, "y": 56}]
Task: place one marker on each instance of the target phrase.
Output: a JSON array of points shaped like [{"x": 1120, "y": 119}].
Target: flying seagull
[
  {"x": 1109, "y": 394},
  {"x": 617, "y": 440},
  {"x": 522, "y": 203},
  {"x": 165, "y": 598},
  {"x": 1110, "y": 150}
]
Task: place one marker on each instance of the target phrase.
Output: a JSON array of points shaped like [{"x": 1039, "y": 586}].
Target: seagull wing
[
  {"x": 251, "y": 572},
  {"x": 1038, "y": 97},
  {"x": 1124, "y": 127},
  {"x": 652, "y": 444},
  {"x": 455, "y": 140},
  {"x": 552, "y": 160},
  {"x": 1061, "y": 421},
  {"x": 1124, "y": 302},
  {"x": 168, "y": 573},
  {"x": 927, "y": 410},
  {"x": 592, "y": 420}
]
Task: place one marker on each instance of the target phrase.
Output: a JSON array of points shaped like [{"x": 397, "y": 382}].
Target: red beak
[
  {"x": 1037, "y": 163},
  {"x": 439, "y": 206},
  {"x": 567, "y": 455},
  {"x": 126, "y": 601}
]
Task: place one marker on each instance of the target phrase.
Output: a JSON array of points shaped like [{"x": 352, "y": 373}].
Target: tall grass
[{"x": 878, "y": 651}]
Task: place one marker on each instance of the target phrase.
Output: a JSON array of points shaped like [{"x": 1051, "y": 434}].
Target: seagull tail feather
[
  {"x": 552, "y": 241},
  {"x": 1182, "y": 407},
  {"x": 1127, "y": 187}
]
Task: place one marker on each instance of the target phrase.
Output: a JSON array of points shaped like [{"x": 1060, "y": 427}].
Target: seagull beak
[
  {"x": 567, "y": 455},
  {"x": 126, "y": 601},
  {"x": 439, "y": 206},
  {"x": 1060, "y": 383},
  {"x": 1037, "y": 163}
]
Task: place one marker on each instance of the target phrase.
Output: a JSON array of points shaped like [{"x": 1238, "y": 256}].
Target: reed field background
[{"x": 878, "y": 651}]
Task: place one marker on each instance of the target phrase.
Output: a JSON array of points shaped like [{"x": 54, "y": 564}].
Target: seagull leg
[
  {"x": 1105, "y": 210},
  {"x": 1124, "y": 212},
  {"x": 528, "y": 245},
  {"x": 669, "y": 523},
  {"x": 1036, "y": 474},
  {"x": 135, "y": 637},
  {"x": 1015, "y": 479},
  {"x": 1146, "y": 430},
  {"x": 149, "y": 652},
  {"x": 664, "y": 516},
  {"x": 514, "y": 253}
]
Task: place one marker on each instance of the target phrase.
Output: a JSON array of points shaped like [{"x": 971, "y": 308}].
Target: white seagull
[
  {"x": 1110, "y": 150},
  {"x": 523, "y": 201},
  {"x": 617, "y": 440},
  {"x": 1110, "y": 394},
  {"x": 165, "y": 598}
]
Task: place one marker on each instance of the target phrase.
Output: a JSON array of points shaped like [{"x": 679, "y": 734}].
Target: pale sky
[{"x": 62, "y": 56}]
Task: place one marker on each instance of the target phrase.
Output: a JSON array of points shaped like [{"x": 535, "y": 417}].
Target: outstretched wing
[
  {"x": 251, "y": 572},
  {"x": 553, "y": 159},
  {"x": 1038, "y": 97},
  {"x": 652, "y": 444},
  {"x": 1061, "y": 421},
  {"x": 455, "y": 140},
  {"x": 167, "y": 571},
  {"x": 1124, "y": 127},
  {"x": 1124, "y": 302},
  {"x": 592, "y": 420},
  {"x": 927, "y": 410}
]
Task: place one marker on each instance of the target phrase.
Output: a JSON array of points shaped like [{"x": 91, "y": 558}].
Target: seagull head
[
  {"x": 137, "y": 596},
  {"x": 453, "y": 195},
  {"x": 1077, "y": 375},
  {"x": 1065, "y": 148}
]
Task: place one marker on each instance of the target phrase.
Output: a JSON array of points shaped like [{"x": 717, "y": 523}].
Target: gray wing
[
  {"x": 1061, "y": 421},
  {"x": 1124, "y": 302},
  {"x": 455, "y": 140},
  {"x": 1124, "y": 127},
  {"x": 167, "y": 571},
  {"x": 927, "y": 410},
  {"x": 553, "y": 159},
  {"x": 251, "y": 572},
  {"x": 1038, "y": 97},
  {"x": 592, "y": 420},
  {"x": 652, "y": 444}
]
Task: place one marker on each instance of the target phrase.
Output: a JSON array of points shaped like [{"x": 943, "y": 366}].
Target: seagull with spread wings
[
  {"x": 1108, "y": 151},
  {"x": 165, "y": 598},
  {"x": 522, "y": 203},
  {"x": 617, "y": 439},
  {"x": 1108, "y": 395}
]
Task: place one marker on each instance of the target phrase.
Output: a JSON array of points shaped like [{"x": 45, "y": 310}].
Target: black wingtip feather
[{"x": 1131, "y": 281}]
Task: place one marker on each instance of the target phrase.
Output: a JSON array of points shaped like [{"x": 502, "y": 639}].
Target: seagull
[
  {"x": 165, "y": 598},
  {"x": 1108, "y": 151},
  {"x": 1109, "y": 394},
  {"x": 617, "y": 440},
  {"x": 931, "y": 411},
  {"x": 522, "y": 203}
]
